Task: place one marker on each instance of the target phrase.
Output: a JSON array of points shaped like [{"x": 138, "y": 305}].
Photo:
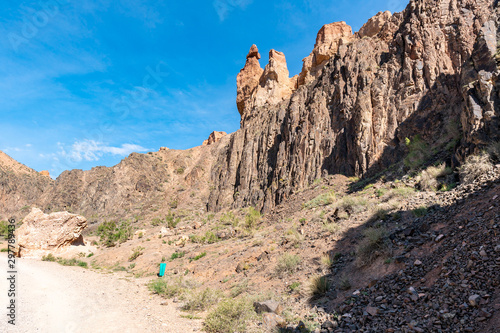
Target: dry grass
[
  {"x": 318, "y": 285},
  {"x": 473, "y": 167},
  {"x": 429, "y": 177},
  {"x": 371, "y": 246},
  {"x": 202, "y": 300},
  {"x": 287, "y": 264},
  {"x": 230, "y": 316}
]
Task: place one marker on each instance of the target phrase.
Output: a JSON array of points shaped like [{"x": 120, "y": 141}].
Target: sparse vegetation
[
  {"x": 321, "y": 200},
  {"x": 65, "y": 262},
  {"x": 180, "y": 170},
  {"x": 198, "y": 257},
  {"x": 294, "y": 286},
  {"x": 287, "y": 264},
  {"x": 371, "y": 246},
  {"x": 318, "y": 285},
  {"x": 171, "y": 220},
  {"x": 418, "y": 152},
  {"x": 177, "y": 255},
  {"x": 136, "y": 253},
  {"x": 202, "y": 300},
  {"x": 230, "y": 316},
  {"x": 473, "y": 167},
  {"x": 252, "y": 218},
  {"x": 239, "y": 288},
  {"x": 111, "y": 233},
  {"x": 4, "y": 229},
  {"x": 230, "y": 218},
  {"x": 171, "y": 287},
  {"x": 429, "y": 177},
  {"x": 420, "y": 211},
  {"x": 344, "y": 284}
]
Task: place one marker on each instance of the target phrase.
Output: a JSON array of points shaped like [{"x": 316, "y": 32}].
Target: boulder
[{"x": 41, "y": 233}]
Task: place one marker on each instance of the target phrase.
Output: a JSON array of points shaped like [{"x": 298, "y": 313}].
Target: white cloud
[
  {"x": 90, "y": 150},
  {"x": 223, "y": 7}
]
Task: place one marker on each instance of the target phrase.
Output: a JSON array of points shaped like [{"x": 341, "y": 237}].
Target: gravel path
[{"x": 54, "y": 298}]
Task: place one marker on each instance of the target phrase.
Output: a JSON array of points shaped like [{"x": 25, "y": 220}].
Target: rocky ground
[{"x": 435, "y": 268}]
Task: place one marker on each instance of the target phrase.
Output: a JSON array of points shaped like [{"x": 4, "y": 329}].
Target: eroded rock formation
[
  {"x": 41, "y": 233},
  {"x": 328, "y": 40},
  {"x": 248, "y": 79},
  {"x": 374, "y": 24},
  {"x": 430, "y": 70},
  {"x": 214, "y": 137}
]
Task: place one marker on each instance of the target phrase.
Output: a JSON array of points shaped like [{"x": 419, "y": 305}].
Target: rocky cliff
[{"x": 430, "y": 70}]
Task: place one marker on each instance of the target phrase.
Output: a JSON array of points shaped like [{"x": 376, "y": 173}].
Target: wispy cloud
[
  {"x": 90, "y": 150},
  {"x": 224, "y": 7}
]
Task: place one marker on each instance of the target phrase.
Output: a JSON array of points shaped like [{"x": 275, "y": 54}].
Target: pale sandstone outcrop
[{"x": 41, "y": 233}]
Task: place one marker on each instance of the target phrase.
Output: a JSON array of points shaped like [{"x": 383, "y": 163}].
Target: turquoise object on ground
[{"x": 162, "y": 270}]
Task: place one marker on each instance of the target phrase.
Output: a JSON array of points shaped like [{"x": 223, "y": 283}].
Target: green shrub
[
  {"x": 321, "y": 200},
  {"x": 111, "y": 233},
  {"x": 238, "y": 288},
  {"x": 252, "y": 218},
  {"x": 199, "y": 256},
  {"x": 4, "y": 229},
  {"x": 202, "y": 300},
  {"x": 171, "y": 220},
  {"x": 49, "y": 257},
  {"x": 177, "y": 255},
  {"x": 230, "y": 316},
  {"x": 136, "y": 253},
  {"x": 230, "y": 219},
  {"x": 294, "y": 286},
  {"x": 418, "y": 152},
  {"x": 179, "y": 170},
  {"x": 169, "y": 287},
  {"x": 211, "y": 237},
  {"x": 344, "y": 284},
  {"x": 287, "y": 264}
]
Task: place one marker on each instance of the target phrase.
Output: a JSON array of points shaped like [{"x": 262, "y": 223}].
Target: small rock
[
  {"x": 329, "y": 325},
  {"x": 439, "y": 238},
  {"x": 267, "y": 306},
  {"x": 474, "y": 300},
  {"x": 418, "y": 263},
  {"x": 373, "y": 311},
  {"x": 272, "y": 320}
]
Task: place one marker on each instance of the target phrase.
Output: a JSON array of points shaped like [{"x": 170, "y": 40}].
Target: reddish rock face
[
  {"x": 248, "y": 79},
  {"x": 214, "y": 137},
  {"x": 45, "y": 173},
  {"x": 328, "y": 40},
  {"x": 374, "y": 24}
]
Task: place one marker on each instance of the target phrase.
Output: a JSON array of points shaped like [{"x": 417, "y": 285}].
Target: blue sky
[{"x": 85, "y": 83}]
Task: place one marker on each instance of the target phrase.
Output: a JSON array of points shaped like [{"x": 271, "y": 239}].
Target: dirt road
[{"x": 54, "y": 298}]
